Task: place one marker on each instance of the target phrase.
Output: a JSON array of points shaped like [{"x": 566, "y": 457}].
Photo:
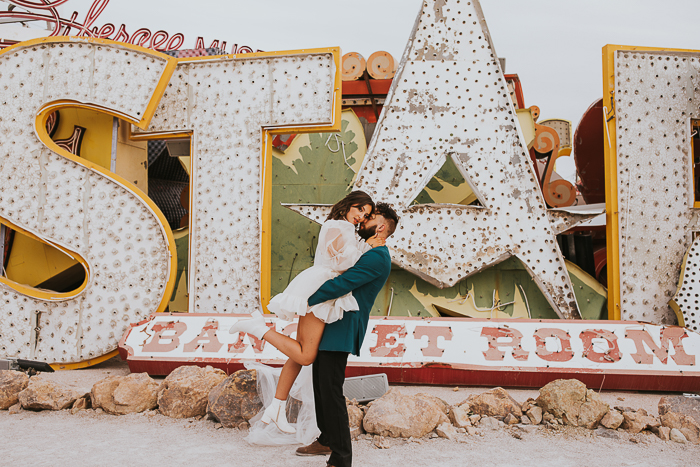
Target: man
[{"x": 365, "y": 279}]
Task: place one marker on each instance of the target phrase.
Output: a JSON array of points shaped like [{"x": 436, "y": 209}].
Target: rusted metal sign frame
[{"x": 491, "y": 352}]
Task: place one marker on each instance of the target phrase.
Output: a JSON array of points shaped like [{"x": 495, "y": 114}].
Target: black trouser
[{"x": 331, "y": 412}]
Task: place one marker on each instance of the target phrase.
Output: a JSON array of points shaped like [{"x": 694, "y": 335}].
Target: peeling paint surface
[
  {"x": 226, "y": 103},
  {"x": 75, "y": 207},
  {"x": 654, "y": 101}
]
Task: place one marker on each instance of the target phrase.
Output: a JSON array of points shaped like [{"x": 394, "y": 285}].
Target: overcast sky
[{"x": 553, "y": 45}]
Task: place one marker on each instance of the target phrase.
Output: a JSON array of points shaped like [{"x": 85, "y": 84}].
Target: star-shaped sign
[{"x": 449, "y": 98}]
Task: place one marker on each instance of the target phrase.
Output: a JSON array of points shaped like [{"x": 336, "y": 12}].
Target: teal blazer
[{"x": 365, "y": 279}]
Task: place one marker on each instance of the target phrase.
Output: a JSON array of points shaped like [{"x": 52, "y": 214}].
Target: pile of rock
[
  {"x": 192, "y": 391},
  {"x": 189, "y": 391},
  {"x": 560, "y": 403}
]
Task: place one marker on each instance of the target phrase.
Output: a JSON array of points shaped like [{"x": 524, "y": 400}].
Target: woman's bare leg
[
  {"x": 301, "y": 352},
  {"x": 289, "y": 374}
]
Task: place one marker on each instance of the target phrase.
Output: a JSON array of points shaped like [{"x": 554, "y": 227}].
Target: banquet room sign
[{"x": 613, "y": 355}]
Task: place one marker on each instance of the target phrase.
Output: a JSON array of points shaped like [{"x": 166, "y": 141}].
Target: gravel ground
[{"x": 91, "y": 439}]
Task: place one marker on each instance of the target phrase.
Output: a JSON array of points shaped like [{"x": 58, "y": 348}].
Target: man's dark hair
[{"x": 388, "y": 213}]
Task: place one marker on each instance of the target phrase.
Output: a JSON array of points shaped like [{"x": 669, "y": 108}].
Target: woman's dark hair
[{"x": 354, "y": 199}]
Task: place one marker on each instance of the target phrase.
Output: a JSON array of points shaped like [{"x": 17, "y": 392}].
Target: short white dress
[{"x": 338, "y": 250}]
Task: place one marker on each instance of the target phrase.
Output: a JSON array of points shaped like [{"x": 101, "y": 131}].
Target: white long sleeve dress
[{"x": 338, "y": 249}]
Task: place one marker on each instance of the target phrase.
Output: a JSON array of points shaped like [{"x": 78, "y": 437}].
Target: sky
[{"x": 553, "y": 45}]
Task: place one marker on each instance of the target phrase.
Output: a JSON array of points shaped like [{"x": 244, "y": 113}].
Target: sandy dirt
[{"x": 92, "y": 439}]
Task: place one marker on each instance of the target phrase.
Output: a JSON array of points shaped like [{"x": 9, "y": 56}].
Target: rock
[
  {"x": 471, "y": 431},
  {"x": 682, "y": 405},
  {"x": 243, "y": 426},
  {"x": 606, "y": 433},
  {"x": 664, "y": 433},
  {"x": 637, "y": 421},
  {"x": 494, "y": 403},
  {"x": 510, "y": 419},
  {"x": 120, "y": 395},
  {"x": 42, "y": 394},
  {"x": 563, "y": 398},
  {"x": 397, "y": 415},
  {"x": 612, "y": 420},
  {"x": 355, "y": 417},
  {"x": 446, "y": 430},
  {"x": 592, "y": 410},
  {"x": 15, "y": 409},
  {"x": 444, "y": 406},
  {"x": 184, "y": 393},
  {"x": 474, "y": 419},
  {"x": 235, "y": 399},
  {"x": 11, "y": 384},
  {"x": 525, "y": 420},
  {"x": 489, "y": 423},
  {"x": 459, "y": 416},
  {"x": 535, "y": 415},
  {"x": 569, "y": 400},
  {"x": 82, "y": 403},
  {"x": 547, "y": 417},
  {"x": 527, "y": 428},
  {"x": 677, "y": 436},
  {"x": 685, "y": 424},
  {"x": 380, "y": 442}
]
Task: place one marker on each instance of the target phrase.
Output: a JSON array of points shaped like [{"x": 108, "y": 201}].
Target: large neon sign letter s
[{"x": 93, "y": 215}]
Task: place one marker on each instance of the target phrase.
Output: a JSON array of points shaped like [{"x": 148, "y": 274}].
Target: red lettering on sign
[
  {"x": 206, "y": 339},
  {"x": 388, "y": 344},
  {"x": 493, "y": 334},
  {"x": 611, "y": 355},
  {"x": 156, "y": 344},
  {"x": 239, "y": 346},
  {"x": 670, "y": 334},
  {"x": 564, "y": 339},
  {"x": 290, "y": 329},
  {"x": 433, "y": 332}
]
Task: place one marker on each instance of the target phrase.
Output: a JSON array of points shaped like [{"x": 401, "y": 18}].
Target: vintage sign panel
[
  {"x": 685, "y": 303},
  {"x": 512, "y": 352},
  {"x": 90, "y": 214},
  {"x": 228, "y": 105},
  {"x": 449, "y": 98},
  {"x": 651, "y": 95}
]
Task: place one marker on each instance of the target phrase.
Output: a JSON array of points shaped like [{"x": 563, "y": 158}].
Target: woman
[{"x": 338, "y": 249}]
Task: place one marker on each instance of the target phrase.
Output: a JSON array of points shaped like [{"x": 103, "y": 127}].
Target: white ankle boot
[
  {"x": 254, "y": 326},
  {"x": 275, "y": 413}
]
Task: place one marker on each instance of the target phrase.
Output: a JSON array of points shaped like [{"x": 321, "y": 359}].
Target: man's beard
[{"x": 366, "y": 233}]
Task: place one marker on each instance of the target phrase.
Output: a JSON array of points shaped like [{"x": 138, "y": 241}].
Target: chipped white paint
[
  {"x": 449, "y": 98},
  {"x": 655, "y": 97},
  {"x": 225, "y": 103},
  {"x": 685, "y": 303},
  {"x": 74, "y": 207},
  {"x": 633, "y": 349}
]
